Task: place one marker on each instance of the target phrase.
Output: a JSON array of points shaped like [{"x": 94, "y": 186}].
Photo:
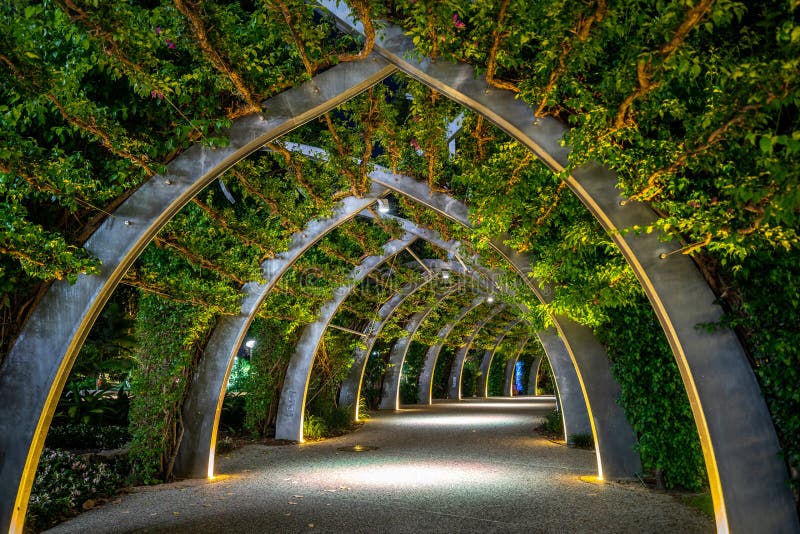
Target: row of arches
[{"x": 747, "y": 477}]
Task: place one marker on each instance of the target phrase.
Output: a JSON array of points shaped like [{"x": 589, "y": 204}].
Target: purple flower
[
  {"x": 415, "y": 144},
  {"x": 158, "y": 30},
  {"x": 457, "y": 23},
  {"x": 169, "y": 44},
  {"x": 155, "y": 93}
]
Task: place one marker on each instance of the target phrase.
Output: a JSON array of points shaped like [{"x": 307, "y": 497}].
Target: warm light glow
[{"x": 211, "y": 461}]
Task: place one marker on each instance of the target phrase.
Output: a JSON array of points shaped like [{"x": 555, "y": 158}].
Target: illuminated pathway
[{"x": 451, "y": 467}]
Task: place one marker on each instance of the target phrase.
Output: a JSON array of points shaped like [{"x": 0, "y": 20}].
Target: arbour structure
[{"x": 741, "y": 451}]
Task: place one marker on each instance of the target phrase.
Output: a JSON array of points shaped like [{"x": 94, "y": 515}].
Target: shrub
[
  {"x": 99, "y": 406},
  {"x": 84, "y": 436},
  {"x": 233, "y": 414},
  {"x": 65, "y": 484},
  {"x": 553, "y": 424},
  {"x": 338, "y": 420},
  {"x": 581, "y": 441},
  {"x": 363, "y": 409},
  {"x": 314, "y": 427}
]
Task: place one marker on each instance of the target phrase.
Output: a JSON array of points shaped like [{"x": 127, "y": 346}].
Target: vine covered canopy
[{"x": 692, "y": 103}]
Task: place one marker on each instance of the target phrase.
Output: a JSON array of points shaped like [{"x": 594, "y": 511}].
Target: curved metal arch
[
  {"x": 350, "y": 394},
  {"x": 533, "y": 385},
  {"x": 712, "y": 384},
  {"x": 748, "y": 479},
  {"x": 291, "y": 407},
  {"x": 38, "y": 364},
  {"x": 457, "y": 367},
  {"x": 488, "y": 356},
  {"x": 609, "y": 427},
  {"x": 203, "y": 405},
  {"x": 425, "y": 388},
  {"x": 390, "y": 396},
  {"x": 574, "y": 408},
  {"x": 508, "y": 381}
]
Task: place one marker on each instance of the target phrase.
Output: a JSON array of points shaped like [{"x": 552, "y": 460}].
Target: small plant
[
  {"x": 66, "y": 484},
  {"x": 363, "y": 409},
  {"x": 314, "y": 427},
  {"x": 99, "y": 406},
  {"x": 339, "y": 420},
  {"x": 233, "y": 413},
  {"x": 581, "y": 441},
  {"x": 553, "y": 424},
  {"x": 225, "y": 444}
]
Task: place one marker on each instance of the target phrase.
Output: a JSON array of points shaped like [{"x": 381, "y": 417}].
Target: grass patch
[
  {"x": 699, "y": 501},
  {"x": 553, "y": 426}
]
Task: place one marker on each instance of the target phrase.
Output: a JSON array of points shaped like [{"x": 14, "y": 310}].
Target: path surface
[{"x": 452, "y": 467}]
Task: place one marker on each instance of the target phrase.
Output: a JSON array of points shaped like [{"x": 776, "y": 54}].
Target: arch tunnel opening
[{"x": 151, "y": 242}]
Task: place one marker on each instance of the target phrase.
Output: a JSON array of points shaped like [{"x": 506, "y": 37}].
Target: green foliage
[
  {"x": 545, "y": 379},
  {"x": 768, "y": 314},
  {"x": 497, "y": 372},
  {"x": 169, "y": 337},
  {"x": 268, "y": 361},
  {"x": 653, "y": 396},
  {"x": 553, "y": 423},
  {"x": 373, "y": 373},
  {"x": 232, "y": 415},
  {"x": 108, "y": 350},
  {"x": 82, "y": 436},
  {"x": 581, "y": 441},
  {"x": 237, "y": 382},
  {"x": 314, "y": 427},
  {"x": 66, "y": 484},
  {"x": 409, "y": 380},
  {"x": 96, "y": 407}
]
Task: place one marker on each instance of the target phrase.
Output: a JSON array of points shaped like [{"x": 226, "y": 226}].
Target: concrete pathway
[{"x": 452, "y": 467}]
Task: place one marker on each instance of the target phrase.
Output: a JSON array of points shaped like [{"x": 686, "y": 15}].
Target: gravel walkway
[{"x": 452, "y": 467}]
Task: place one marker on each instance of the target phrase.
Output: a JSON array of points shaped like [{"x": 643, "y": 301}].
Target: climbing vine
[
  {"x": 95, "y": 98},
  {"x": 170, "y": 336}
]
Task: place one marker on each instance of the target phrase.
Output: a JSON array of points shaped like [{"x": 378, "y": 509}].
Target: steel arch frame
[
  {"x": 508, "y": 382},
  {"x": 390, "y": 395},
  {"x": 289, "y": 424},
  {"x": 712, "y": 383},
  {"x": 748, "y": 480},
  {"x": 36, "y": 368},
  {"x": 486, "y": 361}
]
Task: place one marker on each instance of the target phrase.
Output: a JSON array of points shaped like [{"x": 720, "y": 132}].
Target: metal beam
[
  {"x": 425, "y": 389},
  {"x": 291, "y": 408},
  {"x": 390, "y": 398},
  {"x": 348, "y": 330},
  {"x": 486, "y": 361},
  {"x": 36, "y": 368},
  {"x": 748, "y": 479}
]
